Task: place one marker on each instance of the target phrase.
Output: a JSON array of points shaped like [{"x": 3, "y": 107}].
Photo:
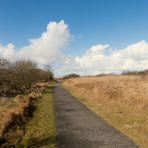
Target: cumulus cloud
[
  {"x": 103, "y": 59},
  {"x": 48, "y": 50},
  {"x": 43, "y": 50},
  {"x": 8, "y": 51}
]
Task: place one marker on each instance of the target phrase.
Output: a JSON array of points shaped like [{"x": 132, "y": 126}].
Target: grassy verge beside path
[
  {"x": 40, "y": 131},
  {"x": 120, "y": 100}
]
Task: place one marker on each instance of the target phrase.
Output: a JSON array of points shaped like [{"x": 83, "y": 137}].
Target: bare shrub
[{"x": 19, "y": 76}]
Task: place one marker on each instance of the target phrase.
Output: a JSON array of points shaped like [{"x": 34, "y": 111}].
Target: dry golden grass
[
  {"x": 121, "y": 100},
  {"x": 8, "y": 109},
  {"x": 13, "y": 110}
]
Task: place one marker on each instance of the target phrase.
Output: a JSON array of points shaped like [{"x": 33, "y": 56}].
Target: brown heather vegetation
[
  {"x": 14, "y": 112},
  {"x": 122, "y": 100}
]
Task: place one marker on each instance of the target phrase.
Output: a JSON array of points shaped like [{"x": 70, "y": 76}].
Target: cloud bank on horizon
[{"x": 48, "y": 49}]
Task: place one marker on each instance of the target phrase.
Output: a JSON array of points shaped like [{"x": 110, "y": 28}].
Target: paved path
[{"x": 78, "y": 127}]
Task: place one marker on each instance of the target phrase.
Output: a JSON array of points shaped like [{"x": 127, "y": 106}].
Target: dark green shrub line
[{"x": 71, "y": 76}]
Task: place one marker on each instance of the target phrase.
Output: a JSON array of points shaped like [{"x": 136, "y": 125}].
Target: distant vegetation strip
[
  {"x": 70, "y": 76},
  {"x": 122, "y": 100}
]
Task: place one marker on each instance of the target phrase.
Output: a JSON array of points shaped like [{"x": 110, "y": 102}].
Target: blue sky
[{"x": 117, "y": 23}]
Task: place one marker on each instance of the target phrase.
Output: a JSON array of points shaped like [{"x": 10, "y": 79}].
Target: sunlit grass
[
  {"x": 40, "y": 131},
  {"x": 121, "y": 100}
]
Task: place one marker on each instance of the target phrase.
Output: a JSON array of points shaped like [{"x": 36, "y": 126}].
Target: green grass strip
[{"x": 40, "y": 131}]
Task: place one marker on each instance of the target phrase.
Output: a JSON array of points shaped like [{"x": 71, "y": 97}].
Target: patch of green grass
[{"x": 40, "y": 131}]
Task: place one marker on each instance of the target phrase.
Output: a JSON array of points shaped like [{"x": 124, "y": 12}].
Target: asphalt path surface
[{"x": 78, "y": 127}]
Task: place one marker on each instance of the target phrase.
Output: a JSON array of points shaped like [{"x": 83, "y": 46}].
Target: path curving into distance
[{"x": 78, "y": 127}]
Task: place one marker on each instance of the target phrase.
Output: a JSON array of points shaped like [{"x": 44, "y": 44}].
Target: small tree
[
  {"x": 5, "y": 76},
  {"x": 25, "y": 73}
]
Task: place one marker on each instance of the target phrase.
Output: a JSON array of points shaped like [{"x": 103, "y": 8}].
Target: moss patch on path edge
[{"x": 40, "y": 131}]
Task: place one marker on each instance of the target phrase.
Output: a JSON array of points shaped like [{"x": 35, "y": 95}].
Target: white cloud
[
  {"x": 45, "y": 49},
  {"x": 103, "y": 59},
  {"x": 48, "y": 50},
  {"x": 8, "y": 51}
]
